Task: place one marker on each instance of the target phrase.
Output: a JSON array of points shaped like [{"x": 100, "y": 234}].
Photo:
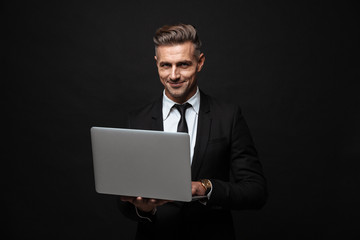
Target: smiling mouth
[{"x": 176, "y": 84}]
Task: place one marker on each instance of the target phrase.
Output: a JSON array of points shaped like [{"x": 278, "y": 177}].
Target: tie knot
[{"x": 182, "y": 107}]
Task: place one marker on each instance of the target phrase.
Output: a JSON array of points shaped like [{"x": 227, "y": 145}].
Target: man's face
[{"x": 177, "y": 66}]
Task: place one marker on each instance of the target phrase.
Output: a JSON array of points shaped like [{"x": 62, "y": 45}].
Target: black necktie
[{"x": 182, "y": 126}]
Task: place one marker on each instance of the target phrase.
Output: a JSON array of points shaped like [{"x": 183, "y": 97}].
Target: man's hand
[
  {"x": 144, "y": 204},
  {"x": 197, "y": 189},
  {"x": 148, "y": 204}
]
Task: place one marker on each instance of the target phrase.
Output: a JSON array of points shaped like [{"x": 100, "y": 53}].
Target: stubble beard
[
  {"x": 180, "y": 94},
  {"x": 177, "y": 93}
]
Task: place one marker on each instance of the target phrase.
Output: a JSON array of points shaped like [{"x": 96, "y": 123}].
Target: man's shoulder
[
  {"x": 220, "y": 105},
  {"x": 146, "y": 108}
]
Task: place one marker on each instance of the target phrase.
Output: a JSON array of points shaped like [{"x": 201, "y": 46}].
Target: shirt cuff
[{"x": 209, "y": 194}]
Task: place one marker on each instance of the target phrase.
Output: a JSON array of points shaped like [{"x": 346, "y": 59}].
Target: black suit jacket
[{"x": 225, "y": 154}]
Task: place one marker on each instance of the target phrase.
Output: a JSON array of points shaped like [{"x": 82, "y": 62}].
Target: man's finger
[
  {"x": 126, "y": 199},
  {"x": 193, "y": 189}
]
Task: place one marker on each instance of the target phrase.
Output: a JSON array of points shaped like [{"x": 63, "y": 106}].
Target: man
[{"x": 224, "y": 168}]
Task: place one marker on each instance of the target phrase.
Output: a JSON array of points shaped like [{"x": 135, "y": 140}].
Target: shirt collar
[{"x": 168, "y": 103}]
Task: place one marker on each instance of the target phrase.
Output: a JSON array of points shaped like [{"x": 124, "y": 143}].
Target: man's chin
[{"x": 176, "y": 94}]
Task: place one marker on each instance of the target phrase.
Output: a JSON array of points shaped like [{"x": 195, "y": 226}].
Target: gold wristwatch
[{"x": 206, "y": 184}]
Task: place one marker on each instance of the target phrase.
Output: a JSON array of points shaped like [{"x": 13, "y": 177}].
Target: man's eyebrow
[
  {"x": 177, "y": 63},
  {"x": 185, "y": 61},
  {"x": 164, "y": 62}
]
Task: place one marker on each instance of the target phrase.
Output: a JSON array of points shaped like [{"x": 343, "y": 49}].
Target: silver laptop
[{"x": 150, "y": 164}]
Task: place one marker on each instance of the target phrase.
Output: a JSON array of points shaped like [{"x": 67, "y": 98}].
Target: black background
[{"x": 292, "y": 67}]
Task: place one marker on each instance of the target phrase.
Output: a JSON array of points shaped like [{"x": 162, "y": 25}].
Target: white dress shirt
[{"x": 171, "y": 117}]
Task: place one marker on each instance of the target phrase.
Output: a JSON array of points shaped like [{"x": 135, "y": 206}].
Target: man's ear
[{"x": 201, "y": 62}]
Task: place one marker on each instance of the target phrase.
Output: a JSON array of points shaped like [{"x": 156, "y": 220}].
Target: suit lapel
[
  {"x": 202, "y": 135},
  {"x": 156, "y": 116}
]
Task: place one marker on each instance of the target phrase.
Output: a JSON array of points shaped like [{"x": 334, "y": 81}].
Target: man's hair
[{"x": 177, "y": 34}]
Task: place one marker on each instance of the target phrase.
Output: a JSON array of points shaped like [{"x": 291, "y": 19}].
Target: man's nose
[{"x": 174, "y": 73}]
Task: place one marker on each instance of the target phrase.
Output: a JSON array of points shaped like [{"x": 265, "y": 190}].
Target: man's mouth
[{"x": 176, "y": 84}]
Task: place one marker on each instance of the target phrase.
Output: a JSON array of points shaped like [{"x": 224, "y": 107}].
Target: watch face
[{"x": 206, "y": 183}]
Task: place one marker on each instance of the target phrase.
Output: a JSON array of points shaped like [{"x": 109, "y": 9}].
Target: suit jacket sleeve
[
  {"x": 246, "y": 186},
  {"x": 129, "y": 211}
]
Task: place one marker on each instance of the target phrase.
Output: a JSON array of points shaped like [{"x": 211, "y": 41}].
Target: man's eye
[
  {"x": 164, "y": 65},
  {"x": 185, "y": 64}
]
